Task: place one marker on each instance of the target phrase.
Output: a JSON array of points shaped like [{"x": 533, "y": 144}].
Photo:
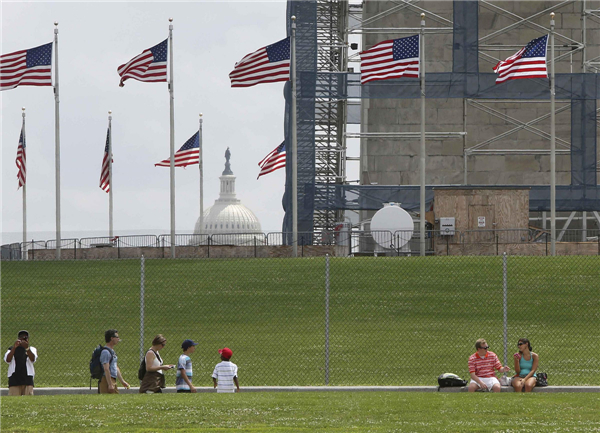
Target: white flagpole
[
  {"x": 552, "y": 144},
  {"x": 201, "y": 170},
  {"x": 294, "y": 142},
  {"x": 172, "y": 165},
  {"x": 423, "y": 154},
  {"x": 110, "y": 181},
  {"x": 57, "y": 141},
  {"x": 24, "y": 252}
]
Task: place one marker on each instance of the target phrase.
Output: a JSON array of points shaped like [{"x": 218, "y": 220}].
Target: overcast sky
[{"x": 94, "y": 39}]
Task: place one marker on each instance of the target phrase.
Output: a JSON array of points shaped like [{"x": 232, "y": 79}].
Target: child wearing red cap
[{"x": 225, "y": 373}]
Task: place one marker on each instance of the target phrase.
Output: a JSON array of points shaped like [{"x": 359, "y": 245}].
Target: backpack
[
  {"x": 450, "y": 380},
  {"x": 96, "y": 370},
  {"x": 142, "y": 369}
]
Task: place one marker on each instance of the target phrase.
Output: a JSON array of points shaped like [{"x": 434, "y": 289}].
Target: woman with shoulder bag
[
  {"x": 526, "y": 365},
  {"x": 154, "y": 379}
]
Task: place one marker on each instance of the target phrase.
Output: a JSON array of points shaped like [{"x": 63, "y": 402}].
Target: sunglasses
[
  {"x": 485, "y": 347},
  {"x": 520, "y": 344}
]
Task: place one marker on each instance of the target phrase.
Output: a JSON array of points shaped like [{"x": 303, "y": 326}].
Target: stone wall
[
  {"x": 396, "y": 162},
  {"x": 221, "y": 251},
  {"x": 519, "y": 249}
]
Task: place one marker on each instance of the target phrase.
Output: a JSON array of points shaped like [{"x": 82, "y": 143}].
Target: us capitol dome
[{"x": 228, "y": 221}]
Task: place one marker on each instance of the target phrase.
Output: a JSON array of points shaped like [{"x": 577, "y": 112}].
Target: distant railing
[{"x": 347, "y": 242}]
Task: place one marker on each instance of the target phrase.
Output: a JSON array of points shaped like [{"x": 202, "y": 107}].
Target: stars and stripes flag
[
  {"x": 32, "y": 67},
  {"x": 273, "y": 161},
  {"x": 150, "y": 66},
  {"x": 106, "y": 161},
  {"x": 21, "y": 159},
  {"x": 188, "y": 154},
  {"x": 390, "y": 59},
  {"x": 266, "y": 65},
  {"x": 528, "y": 62}
]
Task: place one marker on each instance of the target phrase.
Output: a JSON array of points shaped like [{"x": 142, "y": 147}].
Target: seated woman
[
  {"x": 154, "y": 379},
  {"x": 526, "y": 364}
]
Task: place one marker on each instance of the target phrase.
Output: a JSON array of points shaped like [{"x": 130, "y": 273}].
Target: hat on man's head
[
  {"x": 187, "y": 344},
  {"x": 226, "y": 352},
  {"x": 23, "y": 333}
]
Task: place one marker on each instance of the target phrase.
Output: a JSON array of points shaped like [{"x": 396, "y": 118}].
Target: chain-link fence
[{"x": 309, "y": 321}]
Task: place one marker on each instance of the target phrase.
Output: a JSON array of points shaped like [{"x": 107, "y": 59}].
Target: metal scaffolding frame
[
  {"x": 330, "y": 113},
  {"x": 336, "y": 90}
]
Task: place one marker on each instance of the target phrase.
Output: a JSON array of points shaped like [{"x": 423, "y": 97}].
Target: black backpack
[
  {"x": 450, "y": 380},
  {"x": 142, "y": 369},
  {"x": 96, "y": 370}
]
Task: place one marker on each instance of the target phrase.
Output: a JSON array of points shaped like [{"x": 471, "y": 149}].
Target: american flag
[
  {"x": 106, "y": 161},
  {"x": 21, "y": 159},
  {"x": 266, "y": 65},
  {"x": 188, "y": 154},
  {"x": 528, "y": 62},
  {"x": 390, "y": 59},
  {"x": 273, "y": 161},
  {"x": 32, "y": 67},
  {"x": 150, "y": 66}
]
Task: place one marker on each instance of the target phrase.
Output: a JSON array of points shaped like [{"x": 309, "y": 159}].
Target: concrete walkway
[{"x": 134, "y": 390}]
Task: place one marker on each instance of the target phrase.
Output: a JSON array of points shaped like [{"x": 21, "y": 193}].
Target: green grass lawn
[
  {"x": 290, "y": 412},
  {"x": 393, "y": 321}
]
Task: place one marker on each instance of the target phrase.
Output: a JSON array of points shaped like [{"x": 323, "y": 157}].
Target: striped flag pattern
[
  {"x": 528, "y": 62},
  {"x": 21, "y": 159},
  {"x": 188, "y": 154},
  {"x": 32, "y": 67},
  {"x": 266, "y": 65},
  {"x": 106, "y": 161},
  {"x": 150, "y": 66},
  {"x": 390, "y": 59},
  {"x": 273, "y": 161}
]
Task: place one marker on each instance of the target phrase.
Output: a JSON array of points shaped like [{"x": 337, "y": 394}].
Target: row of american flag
[{"x": 386, "y": 60}]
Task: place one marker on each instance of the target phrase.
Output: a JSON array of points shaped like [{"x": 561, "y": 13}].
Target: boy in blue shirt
[{"x": 184, "y": 368}]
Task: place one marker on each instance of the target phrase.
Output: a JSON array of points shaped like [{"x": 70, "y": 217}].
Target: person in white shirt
[
  {"x": 20, "y": 358},
  {"x": 224, "y": 376}
]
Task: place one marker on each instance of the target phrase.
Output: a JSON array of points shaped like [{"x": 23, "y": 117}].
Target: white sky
[{"x": 94, "y": 39}]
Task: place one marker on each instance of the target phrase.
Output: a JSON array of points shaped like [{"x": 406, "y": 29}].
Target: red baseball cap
[{"x": 226, "y": 352}]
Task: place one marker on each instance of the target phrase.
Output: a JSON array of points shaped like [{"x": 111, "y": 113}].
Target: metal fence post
[
  {"x": 142, "y": 306},
  {"x": 326, "y": 319},
  {"x": 505, "y": 304}
]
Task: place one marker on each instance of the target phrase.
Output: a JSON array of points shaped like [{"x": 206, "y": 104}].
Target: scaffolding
[
  {"x": 337, "y": 88},
  {"x": 330, "y": 113}
]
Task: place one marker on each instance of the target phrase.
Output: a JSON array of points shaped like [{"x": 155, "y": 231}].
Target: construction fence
[{"x": 309, "y": 321}]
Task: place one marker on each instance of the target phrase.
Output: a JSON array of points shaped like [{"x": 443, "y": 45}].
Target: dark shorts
[
  {"x": 185, "y": 391},
  {"x": 15, "y": 380}
]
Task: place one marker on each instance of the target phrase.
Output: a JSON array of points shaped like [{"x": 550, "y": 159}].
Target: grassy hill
[{"x": 392, "y": 321}]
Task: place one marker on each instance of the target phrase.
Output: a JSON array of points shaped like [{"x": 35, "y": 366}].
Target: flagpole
[
  {"x": 201, "y": 170},
  {"x": 422, "y": 159},
  {"x": 294, "y": 142},
  {"x": 552, "y": 144},
  {"x": 110, "y": 181},
  {"x": 24, "y": 192},
  {"x": 57, "y": 141},
  {"x": 172, "y": 166}
]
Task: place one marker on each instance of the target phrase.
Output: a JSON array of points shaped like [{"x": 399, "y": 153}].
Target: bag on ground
[
  {"x": 542, "y": 379},
  {"x": 449, "y": 380},
  {"x": 96, "y": 369},
  {"x": 505, "y": 380}
]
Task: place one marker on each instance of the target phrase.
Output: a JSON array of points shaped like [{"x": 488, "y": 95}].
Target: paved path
[{"x": 134, "y": 390}]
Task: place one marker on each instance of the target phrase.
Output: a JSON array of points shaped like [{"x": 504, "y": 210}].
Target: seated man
[{"x": 481, "y": 367}]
